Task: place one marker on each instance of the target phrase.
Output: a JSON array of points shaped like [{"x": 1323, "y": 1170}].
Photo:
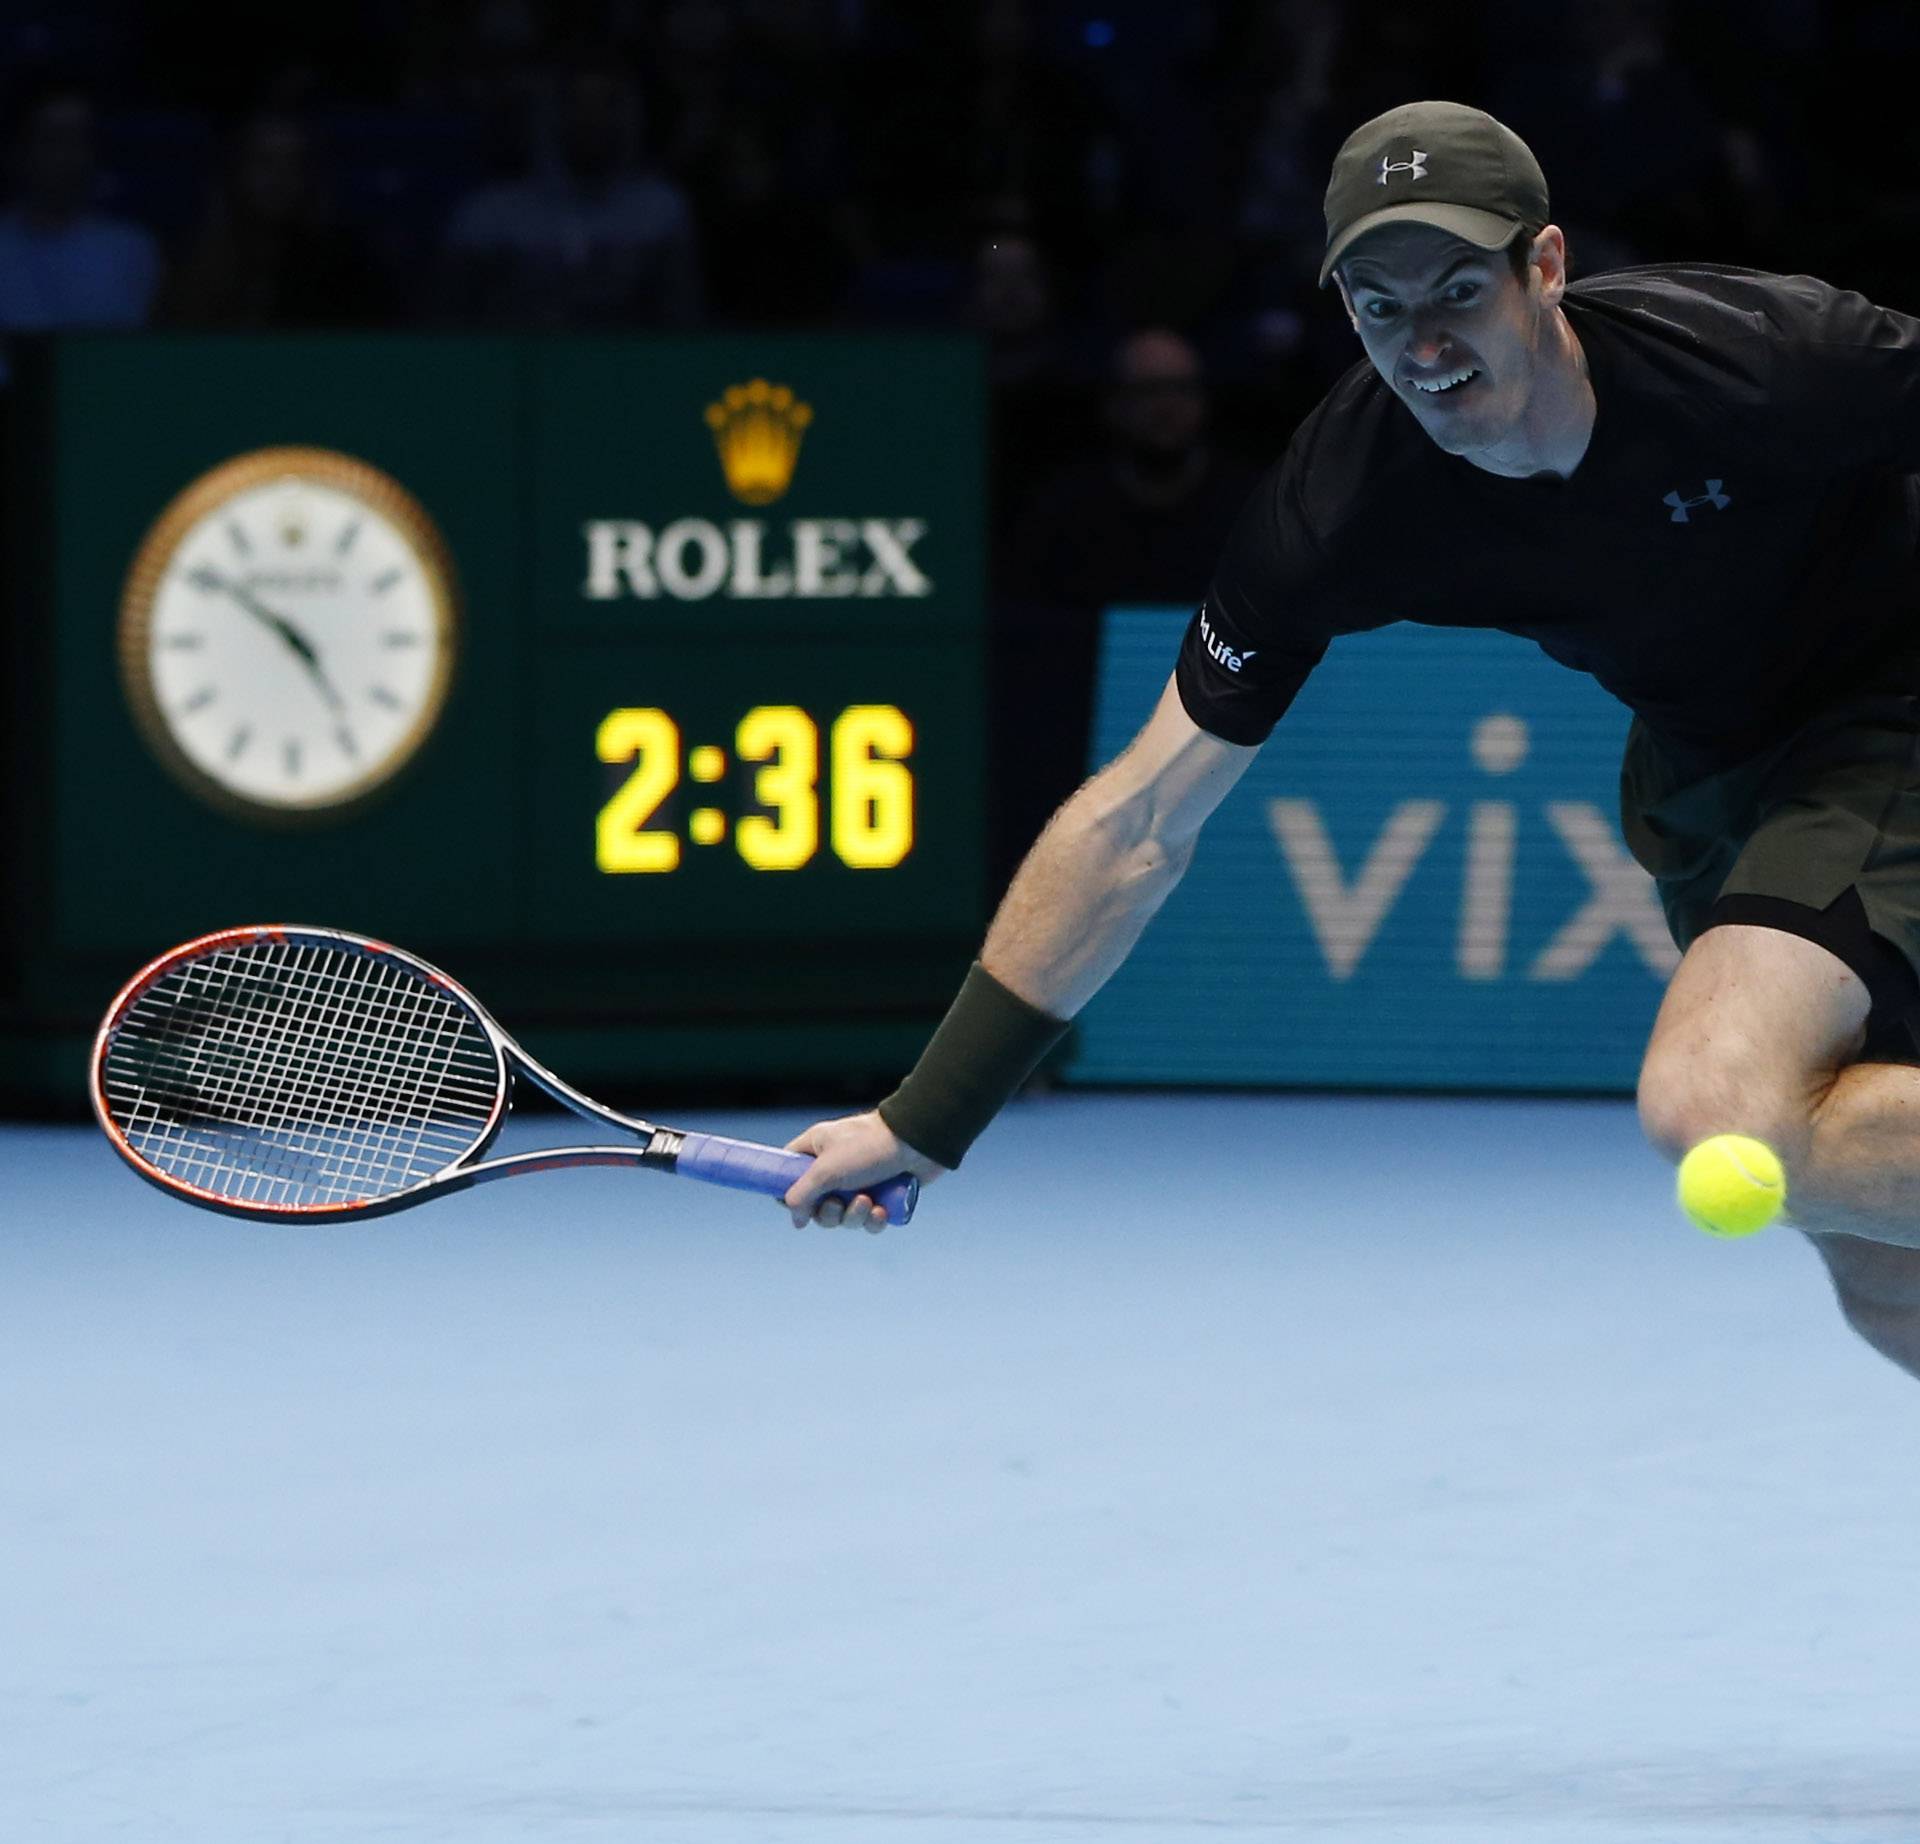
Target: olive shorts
[{"x": 1818, "y": 834}]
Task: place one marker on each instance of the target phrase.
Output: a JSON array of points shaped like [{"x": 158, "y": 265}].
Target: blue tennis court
[{"x": 1360, "y": 1471}]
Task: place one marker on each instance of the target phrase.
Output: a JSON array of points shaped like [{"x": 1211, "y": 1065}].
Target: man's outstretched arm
[{"x": 1081, "y": 898}]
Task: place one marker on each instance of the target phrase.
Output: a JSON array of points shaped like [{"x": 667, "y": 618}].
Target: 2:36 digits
[{"x": 868, "y": 795}]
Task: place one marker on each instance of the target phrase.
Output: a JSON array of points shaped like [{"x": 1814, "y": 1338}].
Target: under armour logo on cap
[
  {"x": 1415, "y": 168},
  {"x": 1711, "y": 497}
]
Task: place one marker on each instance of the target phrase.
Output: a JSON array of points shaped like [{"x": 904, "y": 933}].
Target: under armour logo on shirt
[
  {"x": 1416, "y": 168},
  {"x": 1711, "y": 497}
]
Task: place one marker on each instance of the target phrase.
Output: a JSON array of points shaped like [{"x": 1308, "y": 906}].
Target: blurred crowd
[{"x": 1120, "y": 197}]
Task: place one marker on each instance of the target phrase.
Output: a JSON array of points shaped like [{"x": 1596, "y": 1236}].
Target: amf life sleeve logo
[{"x": 1421, "y": 882}]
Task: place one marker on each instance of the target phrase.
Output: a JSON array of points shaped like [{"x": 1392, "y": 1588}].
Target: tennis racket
[{"x": 292, "y": 1073}]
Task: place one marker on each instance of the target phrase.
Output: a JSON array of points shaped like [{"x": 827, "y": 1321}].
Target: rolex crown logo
[{"x": 757, "y": 429}]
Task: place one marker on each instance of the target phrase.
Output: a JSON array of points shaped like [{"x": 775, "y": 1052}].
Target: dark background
[{"x": 1121, "y": 197}]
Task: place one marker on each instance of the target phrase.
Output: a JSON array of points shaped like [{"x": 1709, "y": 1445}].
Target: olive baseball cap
[{"x": 1437, "y": 163}]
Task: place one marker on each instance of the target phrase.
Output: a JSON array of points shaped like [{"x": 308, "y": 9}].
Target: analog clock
[{"x": 287, "y": 632}]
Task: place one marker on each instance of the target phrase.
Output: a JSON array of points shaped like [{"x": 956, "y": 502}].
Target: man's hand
[{"x": 848, "y": 1153}]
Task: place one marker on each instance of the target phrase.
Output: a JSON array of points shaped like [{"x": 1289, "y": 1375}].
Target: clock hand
[{"x": 301, "y": 647}]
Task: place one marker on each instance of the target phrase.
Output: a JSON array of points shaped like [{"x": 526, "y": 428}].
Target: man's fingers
[
  {"x": 831, "y": 1212},
  {"x": 808, "y": 1200},
  {"x": 812, "y": 1185},
  {"x": 808, "y": 1193},
  {"x": 859, "y": 1212}
]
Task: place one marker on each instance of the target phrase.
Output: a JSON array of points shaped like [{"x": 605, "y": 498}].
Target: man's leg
[
  {"x": 1878, "y": 1287},
  {"x": 1756, "y": 1036}
]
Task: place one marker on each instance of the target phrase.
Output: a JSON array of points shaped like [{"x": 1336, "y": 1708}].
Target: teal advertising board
[
  {"x": 643, "y": 686},
  {"x": 1420, "y": 883}
]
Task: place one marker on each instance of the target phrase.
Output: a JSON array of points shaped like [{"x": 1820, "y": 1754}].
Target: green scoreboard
[{"x": 639, "y": 682}]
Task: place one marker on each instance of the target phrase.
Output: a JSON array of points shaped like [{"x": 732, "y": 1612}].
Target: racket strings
[
  {"x": 307, "y": 1122},
  {"x": 301, "y": 1075},
  {"x": 389, "y": 1129},
  {"x": 200, "y": 1077}
]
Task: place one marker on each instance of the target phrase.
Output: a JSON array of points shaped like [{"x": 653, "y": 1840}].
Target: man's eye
[
  {"x": 1462, "y": 292},
  {"x": 1379, "y": 310}
]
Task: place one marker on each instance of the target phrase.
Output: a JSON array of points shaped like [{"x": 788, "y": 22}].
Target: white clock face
[{"x": 294, "y": 644}]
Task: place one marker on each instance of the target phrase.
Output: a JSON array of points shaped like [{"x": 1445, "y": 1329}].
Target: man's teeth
[{"x": 1446, "y": 383}]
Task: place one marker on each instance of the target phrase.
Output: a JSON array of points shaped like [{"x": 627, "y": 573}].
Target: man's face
[
  {"x": 1451, "y": 329},
  {"x": 1159, "y": 398},
  {"x": 272, "y": 174},
  {"x": 1010, "y": 293}
]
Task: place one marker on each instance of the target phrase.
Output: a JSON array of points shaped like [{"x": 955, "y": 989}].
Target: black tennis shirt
[{"x": 1738, "y": 542}]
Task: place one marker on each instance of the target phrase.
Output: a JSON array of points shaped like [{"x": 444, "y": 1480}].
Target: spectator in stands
[
  {"x": 62, "y": 263},
  {"x": 966, "y": 122},
  {"x": 776, "y": 235},
  {"x": 1627, "y": 132},
  {"x": 1041, "y": 385},
  {"x": 753, "y": 126},
  {"x": 1010, "y": 300},
  {"x": 589, "y": 236},
  {"x": 1295, "y": 47},
  {"x": 270, "y": 251},
  {"x": 1142, "y": 522}
]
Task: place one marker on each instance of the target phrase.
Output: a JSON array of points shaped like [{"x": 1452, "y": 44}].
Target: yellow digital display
[
  {"x": 872, "y": 814},
  {"x": 787, "y": 834},
  {"x": 774, "y": 790},
  {"x": 650, "y": 740}
]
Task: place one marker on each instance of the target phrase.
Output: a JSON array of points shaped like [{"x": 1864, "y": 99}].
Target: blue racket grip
[{"x": 743, "y": 1165}]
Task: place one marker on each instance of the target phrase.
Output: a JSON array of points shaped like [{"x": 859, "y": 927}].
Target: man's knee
[
  {"x": 1754, "y": 1027},
  {"x": 1670, "y": 1105},
  {"x": 1688, "y": 1093}
]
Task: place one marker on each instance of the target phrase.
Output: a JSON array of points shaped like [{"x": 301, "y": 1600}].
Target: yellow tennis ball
[{"x": 1731, "y": 1185}]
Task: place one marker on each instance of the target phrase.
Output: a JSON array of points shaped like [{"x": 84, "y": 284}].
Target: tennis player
[{"x": 1695, "y": 483}]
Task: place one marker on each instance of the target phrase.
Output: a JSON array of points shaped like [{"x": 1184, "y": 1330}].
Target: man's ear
[
  {"x": 1549, "y": 256},
  {"x": 1346, "y": 300}
]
